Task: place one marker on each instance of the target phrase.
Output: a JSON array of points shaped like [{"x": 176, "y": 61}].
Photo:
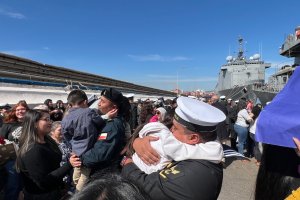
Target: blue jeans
[
  {"x": 242, "y": 133},
  {"x": 13, "y": 181}
]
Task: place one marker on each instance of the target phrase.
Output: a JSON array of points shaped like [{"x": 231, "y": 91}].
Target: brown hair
[
  {"x": 146, "y": 111},
  {"x": 11, "y": 116},
  {"x": 128, "y": 149}
]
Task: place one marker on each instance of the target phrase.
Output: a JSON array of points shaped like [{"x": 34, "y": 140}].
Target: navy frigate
[
  {"x": 242, "y": 77},
  {"x": 240, "y": 73}
]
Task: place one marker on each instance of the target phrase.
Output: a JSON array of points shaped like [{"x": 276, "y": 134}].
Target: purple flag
[{"x": 279, "y": 121}]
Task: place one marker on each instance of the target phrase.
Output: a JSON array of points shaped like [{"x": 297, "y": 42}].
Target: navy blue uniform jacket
[
  {"x": 111, "y": 140},
  {"x": 184, "y": 180}
]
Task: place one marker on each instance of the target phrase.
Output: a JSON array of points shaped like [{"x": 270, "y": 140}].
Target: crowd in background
[{"x": 55, "y": 141}]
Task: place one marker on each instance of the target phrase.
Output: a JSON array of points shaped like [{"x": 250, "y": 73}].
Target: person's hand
[
  {"x": 251, "y": 115},
  {"x": 144, "y": 150},
  {"x": 126, "y": 160},
  {"x": 297, "y": 142},
  {"x": 75, "y": 160},
  {"x": 112, "y": 113}
]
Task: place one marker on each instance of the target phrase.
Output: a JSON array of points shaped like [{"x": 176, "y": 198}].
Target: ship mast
[{"x": 241, "y": 49}]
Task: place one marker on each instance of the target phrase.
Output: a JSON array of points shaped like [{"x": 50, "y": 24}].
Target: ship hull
[
  {"x": 235, "y": 93},
  {"x": 247, "y": 92},
  {"x": 264, "y": 96}
]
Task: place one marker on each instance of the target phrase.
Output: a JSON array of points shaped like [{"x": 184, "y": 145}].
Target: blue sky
[{"x": 146, "y": 42}]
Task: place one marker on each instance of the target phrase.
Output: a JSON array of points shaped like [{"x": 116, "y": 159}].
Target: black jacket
[
  {"x": 111, "y": 140},
  {"x": 222, "y": 127},
  {"x": 41, "y": 171},
  {"x": 188, "y": 179}
]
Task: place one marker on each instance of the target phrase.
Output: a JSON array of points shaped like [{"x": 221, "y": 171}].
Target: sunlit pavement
[{"x": 239, "y": 180}]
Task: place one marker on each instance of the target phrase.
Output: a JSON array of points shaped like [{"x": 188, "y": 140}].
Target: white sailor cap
[
  {"x": 129, "y": 95},
  {"x": 197, "y": 116},
  {"x": 229, "y": 99},
  {"x": 222, "y": 97}
]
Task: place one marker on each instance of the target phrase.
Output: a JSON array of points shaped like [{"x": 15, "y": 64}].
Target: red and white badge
[{"x": 102, "y": 136}]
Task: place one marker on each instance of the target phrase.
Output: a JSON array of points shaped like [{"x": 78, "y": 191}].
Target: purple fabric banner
[{"x": 279, "y": 121}]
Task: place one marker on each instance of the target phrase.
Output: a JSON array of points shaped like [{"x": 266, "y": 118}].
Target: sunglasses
[{"x": 157, "y": 112}]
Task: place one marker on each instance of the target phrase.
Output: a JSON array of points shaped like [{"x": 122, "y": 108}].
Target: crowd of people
[{"x": 125, "y": 149}]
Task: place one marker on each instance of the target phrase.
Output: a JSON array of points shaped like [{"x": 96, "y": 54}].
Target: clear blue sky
[{"x": 146, "y": 42}]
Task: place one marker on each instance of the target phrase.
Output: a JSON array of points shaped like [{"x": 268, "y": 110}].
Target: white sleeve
[
  {"x": 148, "y": 169},
  {"x": 245, "y": 114},
  {"x": 176, "y": 150}
]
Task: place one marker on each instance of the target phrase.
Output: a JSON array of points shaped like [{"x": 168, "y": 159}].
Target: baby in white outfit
[{"x": 169, "y": 148}]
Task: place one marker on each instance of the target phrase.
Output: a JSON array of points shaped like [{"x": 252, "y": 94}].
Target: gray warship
[
  {"x": 242, "y": 77},
  {"x": 239, "y": 74}
]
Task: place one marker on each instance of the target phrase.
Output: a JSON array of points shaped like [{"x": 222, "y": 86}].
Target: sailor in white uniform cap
[
  {"x": 194, "y": 123},
  {"x": 171, "y": 149},
  {"x": 197, "y": 116},
  {"x": 222, "y": 97},
  {"x": 129, "y": 95}
]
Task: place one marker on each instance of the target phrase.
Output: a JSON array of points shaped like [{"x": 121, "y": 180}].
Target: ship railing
[
  {"x": 290, "y": 41},
  {"x": 266, "y": 88}
]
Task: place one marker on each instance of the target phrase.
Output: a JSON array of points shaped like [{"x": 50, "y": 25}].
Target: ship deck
[{"x": 291, "y": 48}]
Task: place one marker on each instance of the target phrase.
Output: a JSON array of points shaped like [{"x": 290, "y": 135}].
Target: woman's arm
[{"x": 248, "y": 117}]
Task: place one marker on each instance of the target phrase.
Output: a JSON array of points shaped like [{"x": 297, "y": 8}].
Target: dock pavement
[{"x": 239, "y": 180}]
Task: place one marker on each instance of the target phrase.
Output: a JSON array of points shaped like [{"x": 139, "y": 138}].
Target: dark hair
[
  {"x": 241, "y": 105},
  {"x": 46, "y": 102},
  {"x": 146, "y": 111},
  {"x": 256, "y": 111},
  {"x": 174, "y": 100},
  {"x": 58, "y": 103},
  {"x": 278, "y": 173},
  {"x": 75, "y": 97},
  {"x": 58, "y": 116},
  {"x": 208, "y": 136},
  {"x": 129, "y": 150},
  {"x": 125, "y": 109},
  {"x": 168, "y": 121},
  {"x": 111, "y": 186}
]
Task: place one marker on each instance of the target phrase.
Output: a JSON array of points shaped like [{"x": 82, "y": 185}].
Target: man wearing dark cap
[
  {"x": 105, "y": 156},
  {"x": 192, "y": 179}
]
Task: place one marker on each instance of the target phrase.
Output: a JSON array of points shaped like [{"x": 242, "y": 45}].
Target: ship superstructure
[
  {"x": 291, "y": 49},
  {"x": 239, "y": 73},
  {"x": 242, "y": 77}
]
